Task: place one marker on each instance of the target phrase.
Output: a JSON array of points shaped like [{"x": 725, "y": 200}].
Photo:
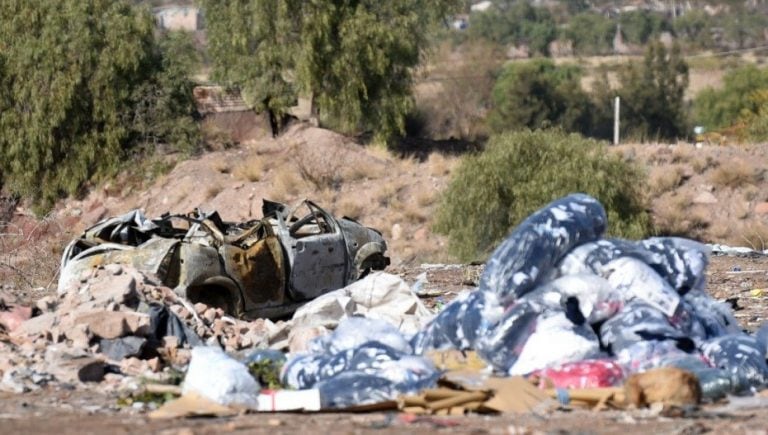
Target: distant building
[
  {"x": 187, "y": 18},
  {"x": 481, "y": 6}
]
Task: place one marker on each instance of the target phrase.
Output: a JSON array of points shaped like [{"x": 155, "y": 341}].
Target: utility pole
[{"x": 616, "y": 104}]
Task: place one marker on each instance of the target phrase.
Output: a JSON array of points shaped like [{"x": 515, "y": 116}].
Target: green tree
[
  {"x": 539, "y": 94},
  {"x": 639, "y": 27},
  {"x": 355, "y": 58},
  {"x": 519, "y": 172},
  {"x": 590, "y": 33},
  {"x": 695, "y": 27},
  {"x": 515, "y": 22},
  {"x": 75, "y": 71},
  {"x": 718, "y": 108},
  {"x": 652, "y": 95}
]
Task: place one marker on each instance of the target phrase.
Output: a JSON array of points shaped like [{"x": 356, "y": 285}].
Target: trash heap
[{"x": 559, "y": 302}]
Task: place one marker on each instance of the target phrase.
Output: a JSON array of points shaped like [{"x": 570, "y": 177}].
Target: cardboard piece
[{"x": 192, "y": 405}]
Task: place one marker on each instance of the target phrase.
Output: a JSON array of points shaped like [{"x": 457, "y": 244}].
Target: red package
[{"x": 589, "y": 373}]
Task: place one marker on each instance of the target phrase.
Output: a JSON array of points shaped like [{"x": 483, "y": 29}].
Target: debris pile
[{"x": 562, "y": 316}]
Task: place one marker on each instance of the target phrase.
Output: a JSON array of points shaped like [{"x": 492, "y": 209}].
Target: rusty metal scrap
[{"x": 261, "y": 268}]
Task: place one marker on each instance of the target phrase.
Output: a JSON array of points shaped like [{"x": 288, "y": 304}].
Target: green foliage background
[
  {"x": 83, "y": 83},
  {"x": 539, "y": 94},
  {"x": 718, "y": 108},
  {"x": 519, "y": 172},
  {"x": 355, "y": 58}
]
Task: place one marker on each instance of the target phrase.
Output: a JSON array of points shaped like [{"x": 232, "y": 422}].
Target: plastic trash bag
[
  {"x": 220, "y": 378},
  {"x": 638, "y": 322},
  {"x": 501, "y": 346},
  {"x": 354, "y": 389},
  {"x": 354, "y": 331},
  {"x": 588, "y": 373},
  {"x": 595, "y": 299},
  {"x": 460, "y": 323},
  {"x": 680, "y": 262},
  {"x": 742, "y": 357},
  {"x": 635, "y": 279},
  {"x": 556, "y": 340},
  {"x": 646, "y": 355},
  {"x": 374, "y": 372},
  {"x": 715, "y": 383},
  {"x": 716, "y": 318},
  {"x": 539, "y": 242},
  {"x": 761, "y": 335}
]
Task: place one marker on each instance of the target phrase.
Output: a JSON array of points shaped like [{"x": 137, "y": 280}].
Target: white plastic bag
[{"x": 215, "y": 376}]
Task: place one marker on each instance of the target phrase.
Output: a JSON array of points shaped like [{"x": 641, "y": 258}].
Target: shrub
[
  {"x": 723, "y": 107},
  {"x": 518, "y": 173},
  {"x": 540, "y": 94}
]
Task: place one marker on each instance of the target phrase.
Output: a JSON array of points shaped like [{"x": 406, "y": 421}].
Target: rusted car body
[{"x": 261, "y": 268}]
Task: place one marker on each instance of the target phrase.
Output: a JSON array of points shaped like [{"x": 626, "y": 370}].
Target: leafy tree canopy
[
  {"x": 718, "y": 108},
  {"x": 75, "y": 73},
  {"x": 540, "y": 94},
  {"x": 515, "y": 22},
  {"x": 356, "y": 58}
]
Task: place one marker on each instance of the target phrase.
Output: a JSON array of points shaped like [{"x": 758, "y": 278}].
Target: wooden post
[{"x": 616, "y": 121}]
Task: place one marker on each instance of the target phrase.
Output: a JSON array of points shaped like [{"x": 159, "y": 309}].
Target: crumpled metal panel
[{"x": 264, "y": 268}]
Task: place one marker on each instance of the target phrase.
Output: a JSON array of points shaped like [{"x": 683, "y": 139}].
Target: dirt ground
[
  {"x": 717, "y": 193},
  {"x": 743, "y": 281}
]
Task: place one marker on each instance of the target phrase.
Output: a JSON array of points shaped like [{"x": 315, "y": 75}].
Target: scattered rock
[
  {"x": 705, "y": 198},
  {"x": 397, "y": 232},
  {"x": 761, "y": 208},
  {"x": 105, "y": 324},
  {"x": 14, "y": 317}
]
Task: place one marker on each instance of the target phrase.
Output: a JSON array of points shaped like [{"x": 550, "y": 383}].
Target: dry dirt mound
[
  {"x": 716, "y": 194},
  {"x": 391, "y": 194}
]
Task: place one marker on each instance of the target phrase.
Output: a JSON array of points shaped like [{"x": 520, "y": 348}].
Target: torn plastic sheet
[
  {"x": 461, "y": 323},
  {"x": 638, "y": 322},
  {"x": 539, "y": 242},
  {"x": 634, "y": 278},
  {"x": 742, "y": 357},
  {"x": 680, "y": 262},
  {"x": 556, "y": 340},
  {"x": 350, "y": 371}
]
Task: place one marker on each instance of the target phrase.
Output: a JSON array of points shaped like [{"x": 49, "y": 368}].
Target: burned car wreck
[{"x": 260, "y": 268}]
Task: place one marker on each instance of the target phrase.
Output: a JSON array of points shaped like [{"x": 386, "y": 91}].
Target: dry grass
[
  {"x": 701, "y": 164},
  {"x": 734, "y": 174},
  {"x": 664, "y": 179},
  {"x": 323, "y": 170},
  {"x": 755, "y": 236},
  {"x": 30, "y": 253},
  {"x": 213, "y": 190},
  {"x": 682, "y": 154},
  {"x": 425, "y": 197},
  {"x": 286, "y": 184},
  {"x": 439, "y": 165},
  {"x": 386, "y": 194},
  {"x": 252, "y": 169},
  {"x": 350, "y": 207},
  {"x": 676, "y": 216},
  {"x": 364, "y": 169},
  {"x": 222, "y": 166}
]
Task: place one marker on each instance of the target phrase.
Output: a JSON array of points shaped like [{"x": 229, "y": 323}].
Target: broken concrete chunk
[
  {"x": 116, "y": 324},
  {"x": 36, "y": 326}
]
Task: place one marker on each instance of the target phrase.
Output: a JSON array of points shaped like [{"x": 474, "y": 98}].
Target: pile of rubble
[{"x": 561, "y": 315}]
